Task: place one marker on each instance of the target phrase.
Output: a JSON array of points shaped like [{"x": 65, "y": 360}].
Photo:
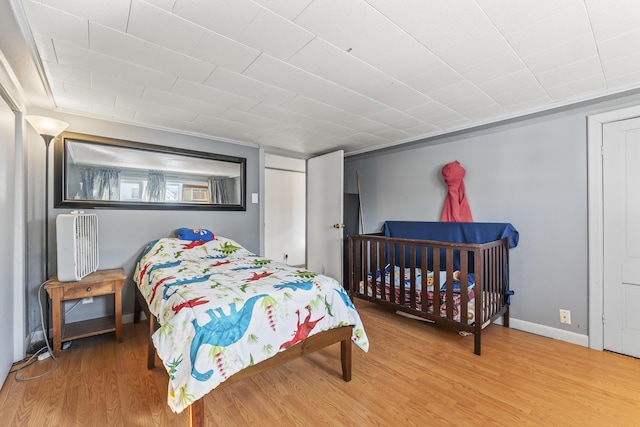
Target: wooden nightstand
[{"x": 102, "y": 282}]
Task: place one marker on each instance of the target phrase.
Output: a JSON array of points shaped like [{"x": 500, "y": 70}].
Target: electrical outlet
[
  {"x": 87, "y": 300},
  {"x": 565, "y": 316}
]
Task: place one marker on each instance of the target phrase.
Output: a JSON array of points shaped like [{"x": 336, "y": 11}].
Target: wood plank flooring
[{"x": 415, "y": 374}]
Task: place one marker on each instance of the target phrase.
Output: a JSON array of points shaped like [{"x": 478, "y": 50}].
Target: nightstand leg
[
  {"x": 118, "y": 310},
  {"x": 57, "y": 322}
]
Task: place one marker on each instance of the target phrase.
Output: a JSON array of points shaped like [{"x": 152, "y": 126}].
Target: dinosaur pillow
[{"x": 194, "y": 234}]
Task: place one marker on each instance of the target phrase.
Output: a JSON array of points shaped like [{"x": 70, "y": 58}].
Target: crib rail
[{"x": 406, "y": 286}]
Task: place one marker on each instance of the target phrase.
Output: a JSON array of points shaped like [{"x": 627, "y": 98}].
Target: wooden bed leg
[
  {"x": 151, "y": 352},
  {"x": 345, "y": 357},
  {"x": 476, "y": 343},
  {"x": 196, "y": 413}
]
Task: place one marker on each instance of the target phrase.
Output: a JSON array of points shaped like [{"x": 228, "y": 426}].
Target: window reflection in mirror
[{"x": 102, "y": 172}]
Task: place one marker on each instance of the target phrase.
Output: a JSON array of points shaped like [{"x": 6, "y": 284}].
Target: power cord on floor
[{"x": 40, "y": 354}]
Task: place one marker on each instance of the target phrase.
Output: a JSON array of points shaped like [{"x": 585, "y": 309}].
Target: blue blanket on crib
[{"x": 458, "y": 232}]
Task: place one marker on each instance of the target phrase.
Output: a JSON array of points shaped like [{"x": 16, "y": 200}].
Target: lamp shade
[{"x": 46, "y": 125}]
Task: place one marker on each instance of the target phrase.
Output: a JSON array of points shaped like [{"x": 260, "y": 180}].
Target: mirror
[{"x": 97, "y": 172}]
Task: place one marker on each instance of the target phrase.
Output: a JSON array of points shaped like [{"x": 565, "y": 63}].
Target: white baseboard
[{"x": 549, "y": 332}]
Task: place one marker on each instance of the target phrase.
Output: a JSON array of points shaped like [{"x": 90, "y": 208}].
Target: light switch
[{"x": 254, "y": 197}]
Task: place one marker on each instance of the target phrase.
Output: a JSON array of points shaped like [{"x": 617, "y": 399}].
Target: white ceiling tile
[
  {"x": 628, "y": 80},
  {"x": 577, "y": 87},
  {"x": 243, "y": 85},
  {"x": 325, "y": 60},
  {"x": 550, "y": 31},
  {"x": 619, "y": 47},
  {"x": 562, "y": 76},
  {"x": 54, "y": 23},
  {"x": 623, "y": 66},
  {"x": 150, "y": 23},
  {"x": 455, "y": 92},
  {"x": 356, "y": 27},
  {"x": 434, "y": 76},
  {"x": 250, "y": 119},
  {"x": 393, "y": 117},
  {"x": 508, "y": 84},
  {"x": 212, "y": 95},
  {"x": 562, "y": 53},
  {"x": 332, "y": 94},
  {"x": 509, "y": 99},
  {"x": 531, "y": 104},
  {"x": 422, "y": 130},
  {"x": 163, "y": 4},
  {"x": 392, "y": 135},
  {"x": 189, "y": 104},
  {"x": 434, "y": 23},
  {"x": 121, "y": 45},
  {"x": 100, "y": 96},
  {"x": 147, "y": 77},
  {"x": 285, "y": 8},
  {"x": 68, "y": 74},
  {"x": 114, "y": 112},
  {"x": 272, "y": 71},
  {"x": 473, "y": 49},
  {"x": 429, "y": 109},
  {"x": 219, "y": 50},
  {"x": 183, "y": 66},
  {"x": 167, "y": 122},
  {"x": 484, "y": 113},
  {"x": 75, "y": 56},
  {"x": 493, "y": 68},
  {"x": 474, "y": 102},
  {"x": 445, "y": 119},
  {"x": 274, "y": 35},
  {"x": 45, "y": 48},
  {"x": 112, "y": 13},
  {"x": 609, "y": 22},
  {"x": 513, "y": 15},
  {"x": 310, "y": 107},
  {"x": 108, "y": 83},
  {"x": 227, "y": 17}
]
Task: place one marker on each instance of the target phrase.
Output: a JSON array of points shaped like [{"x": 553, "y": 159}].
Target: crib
[{"x": 451, "y": 274}]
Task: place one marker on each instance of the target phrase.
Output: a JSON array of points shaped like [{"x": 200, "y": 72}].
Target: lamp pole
[{"x": 48, "y": 129}]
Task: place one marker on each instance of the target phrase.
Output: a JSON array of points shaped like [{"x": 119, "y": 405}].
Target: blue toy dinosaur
[{"x": 221, "y": 331}]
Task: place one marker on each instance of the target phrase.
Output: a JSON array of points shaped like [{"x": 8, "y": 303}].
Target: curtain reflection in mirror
[
  {"x": 218, "y": 190},
  {"x": 156, "y": 187},
  {"x": 99, "y": 184}
]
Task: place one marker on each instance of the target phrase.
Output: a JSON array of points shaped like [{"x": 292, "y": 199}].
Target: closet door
[{"x": 621, "y": 181}]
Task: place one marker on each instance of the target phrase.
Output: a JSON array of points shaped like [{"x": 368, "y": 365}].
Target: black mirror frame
[{"x": 61, "y": 199}]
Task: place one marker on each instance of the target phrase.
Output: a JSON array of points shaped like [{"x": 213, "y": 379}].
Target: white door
[
  {"x": 621, "y": 194},
  {"x": 324, "y": 214}
]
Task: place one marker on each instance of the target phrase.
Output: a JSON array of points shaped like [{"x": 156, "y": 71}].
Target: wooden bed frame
[
  {"x": 370, "y": 253},
  {"x": 315, "y": 342}
]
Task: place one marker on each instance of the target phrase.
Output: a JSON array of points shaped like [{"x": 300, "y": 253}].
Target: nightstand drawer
[{"x": 90, "y": 289}]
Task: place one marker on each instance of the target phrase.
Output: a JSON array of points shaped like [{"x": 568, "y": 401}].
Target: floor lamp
[{"x": 48, "y": 129}]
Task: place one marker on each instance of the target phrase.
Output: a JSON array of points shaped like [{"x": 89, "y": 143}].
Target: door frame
[{"x": 595, "y": 207}]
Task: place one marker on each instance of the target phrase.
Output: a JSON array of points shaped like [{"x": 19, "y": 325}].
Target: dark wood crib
[{"x": 470, "y": 280}]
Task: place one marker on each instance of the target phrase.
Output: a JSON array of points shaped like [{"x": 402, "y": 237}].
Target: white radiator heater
[{"x": 77, "y": 245}]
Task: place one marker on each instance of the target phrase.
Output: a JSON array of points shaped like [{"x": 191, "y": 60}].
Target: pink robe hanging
[{"x": 456, "y": 207}]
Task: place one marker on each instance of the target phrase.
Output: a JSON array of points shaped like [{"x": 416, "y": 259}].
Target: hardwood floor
[{"x": 414, "y": 374}]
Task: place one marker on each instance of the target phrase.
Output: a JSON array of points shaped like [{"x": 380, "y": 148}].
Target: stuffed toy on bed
[{"x": 194, "y": 234}]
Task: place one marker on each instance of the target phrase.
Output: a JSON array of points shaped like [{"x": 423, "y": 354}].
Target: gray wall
[
  {"x": 124, "y": 233},
  {"x": 530, "y": 172}
]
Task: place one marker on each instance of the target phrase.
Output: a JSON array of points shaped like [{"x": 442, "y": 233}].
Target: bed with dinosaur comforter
[{"x": 221, "y": 309}]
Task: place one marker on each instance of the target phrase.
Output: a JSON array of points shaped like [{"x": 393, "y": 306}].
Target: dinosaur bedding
[{"x": 222, "y": 308}]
